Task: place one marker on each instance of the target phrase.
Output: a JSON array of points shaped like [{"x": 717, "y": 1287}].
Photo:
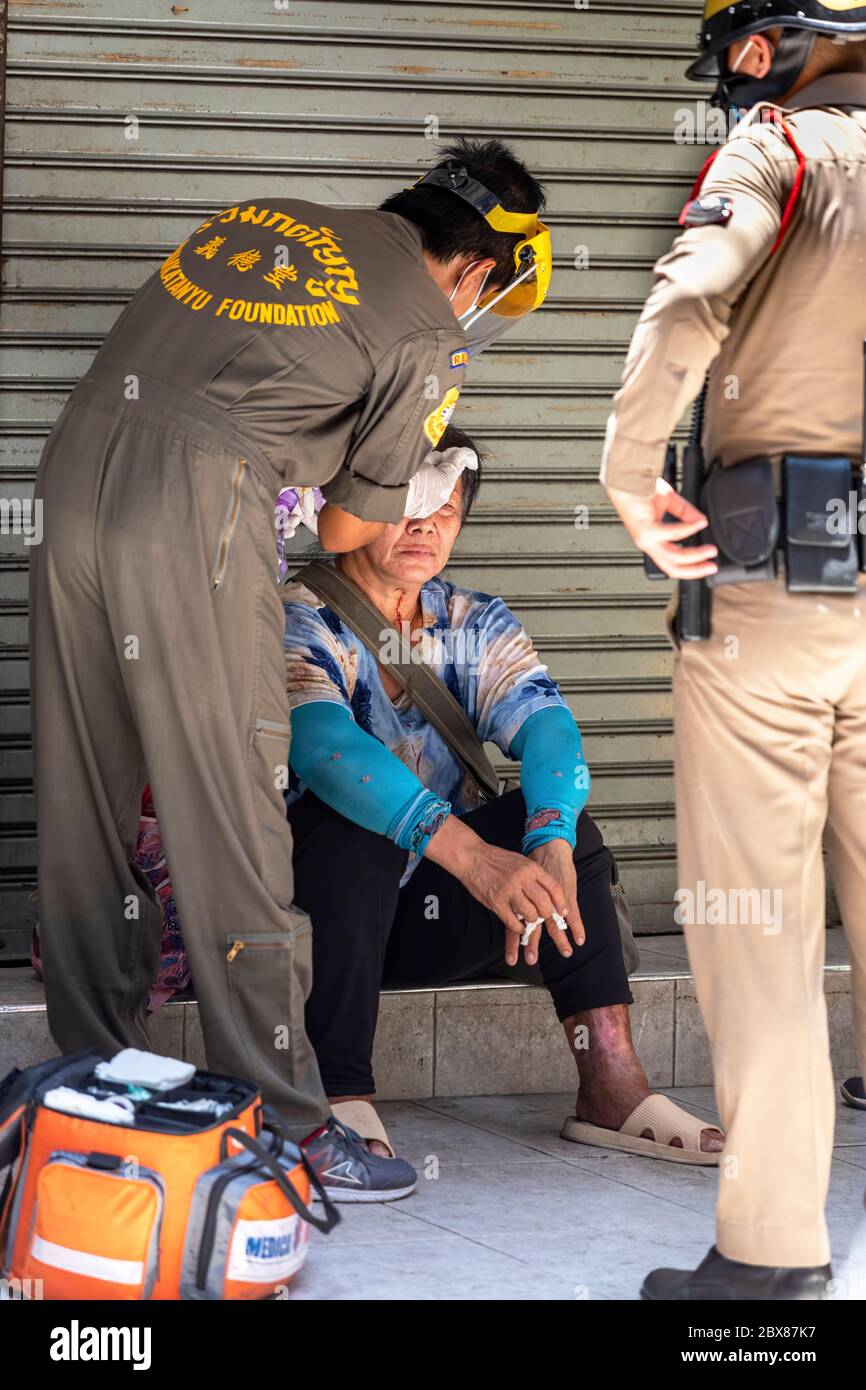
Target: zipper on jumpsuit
[
  {"x": 229, "y": 524},
  {"x": 268, "y": 938}
]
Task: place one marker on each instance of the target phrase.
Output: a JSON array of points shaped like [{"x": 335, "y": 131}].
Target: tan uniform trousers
[{"x": 770, "y": 752}]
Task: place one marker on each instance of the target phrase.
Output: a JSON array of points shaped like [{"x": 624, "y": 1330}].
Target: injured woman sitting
[{"x": 409, "y": 876}]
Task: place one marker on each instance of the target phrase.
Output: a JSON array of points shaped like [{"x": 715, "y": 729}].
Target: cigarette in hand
[{"x": 528, "y": 929}]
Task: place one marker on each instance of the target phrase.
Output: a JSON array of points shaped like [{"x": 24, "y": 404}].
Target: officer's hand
[{"x": 643, "y": 518}]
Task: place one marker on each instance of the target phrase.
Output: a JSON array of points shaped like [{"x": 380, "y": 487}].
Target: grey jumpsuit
[{"x": 282, "y": 343}]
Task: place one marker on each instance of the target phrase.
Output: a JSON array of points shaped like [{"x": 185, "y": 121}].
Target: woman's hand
[
  {"x": 520, "y": 890},
  {"x": 556, "y": 858},
  {"x": 514, "y": 886}
]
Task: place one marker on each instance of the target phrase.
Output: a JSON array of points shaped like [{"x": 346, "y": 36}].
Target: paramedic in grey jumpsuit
[{"x": 281, "y": 343}]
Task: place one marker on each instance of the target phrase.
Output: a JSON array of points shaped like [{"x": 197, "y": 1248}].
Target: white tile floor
[{"x": 505, "y": 1209}]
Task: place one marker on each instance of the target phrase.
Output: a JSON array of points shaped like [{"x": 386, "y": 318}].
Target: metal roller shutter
[{"x": 129, "y": 120}]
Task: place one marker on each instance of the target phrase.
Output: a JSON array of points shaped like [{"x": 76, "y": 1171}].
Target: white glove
[
  {"x": 434, "y": 482},
  {"x": 309, "y": 515},
  {"x": 290, "y": 513},
  {"x": 289, "y": 525},
  {"x": 295, "y": 505}
]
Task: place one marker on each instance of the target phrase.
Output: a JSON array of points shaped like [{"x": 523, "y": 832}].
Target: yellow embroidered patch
[
  {"x": 437, "y": 421},
  {"x": 333, "y": 279}
]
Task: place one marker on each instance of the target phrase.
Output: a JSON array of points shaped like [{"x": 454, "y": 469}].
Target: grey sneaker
[{"x": 350, "y": 1173}]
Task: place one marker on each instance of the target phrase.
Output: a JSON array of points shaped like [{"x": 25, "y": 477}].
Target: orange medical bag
[{"x": 176, "y": 1204}]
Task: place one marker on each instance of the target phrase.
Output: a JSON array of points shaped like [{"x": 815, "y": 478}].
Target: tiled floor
[{"x": 507, "y": 1210}]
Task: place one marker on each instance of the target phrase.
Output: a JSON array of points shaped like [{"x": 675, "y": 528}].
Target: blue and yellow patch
[{"x": 460, "y": 359}]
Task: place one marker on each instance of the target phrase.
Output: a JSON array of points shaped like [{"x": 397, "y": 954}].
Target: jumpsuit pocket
[
  {"x": 269, "y": 978},
  {"x": 230, "y": 522},
  {"x": 271, "y": 770}
]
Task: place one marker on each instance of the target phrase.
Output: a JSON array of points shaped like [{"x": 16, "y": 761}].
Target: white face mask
[{"x": 456, "y": 290}]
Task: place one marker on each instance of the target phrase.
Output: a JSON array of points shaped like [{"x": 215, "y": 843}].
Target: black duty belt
[{"x": 814, "y": 525}]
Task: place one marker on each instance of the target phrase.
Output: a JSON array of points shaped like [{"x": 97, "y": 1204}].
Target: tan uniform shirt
[
  {"x": 781, "y": 335},
  {"x": 319, "y": 331}
]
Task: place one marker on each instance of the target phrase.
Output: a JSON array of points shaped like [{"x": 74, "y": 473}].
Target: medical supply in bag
[
  {"x": 134, "y": 1068},
  {"x": 195, "y": 1193},
  {"x": 117, "y": 1110}
]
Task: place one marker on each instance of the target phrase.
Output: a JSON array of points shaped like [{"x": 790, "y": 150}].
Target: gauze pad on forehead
[
  {"x": 435, "y": 480},
  {"x": 459, "y": 457}
]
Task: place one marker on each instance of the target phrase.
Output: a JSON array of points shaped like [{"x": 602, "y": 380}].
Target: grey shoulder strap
[{"x": 423, "y": 687}]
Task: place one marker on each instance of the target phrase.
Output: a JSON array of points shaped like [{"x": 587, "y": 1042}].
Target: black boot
[
  {"x": 718, "y": 1278},
  {"x": 854, "y": 1092}
]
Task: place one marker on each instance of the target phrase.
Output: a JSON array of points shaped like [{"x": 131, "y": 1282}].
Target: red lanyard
[{"x": 774, "y": 116}]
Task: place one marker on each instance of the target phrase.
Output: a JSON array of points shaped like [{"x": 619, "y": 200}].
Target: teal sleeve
[
  {"x": 358, "y": 776},
  {"x": 554, "y": 777}
]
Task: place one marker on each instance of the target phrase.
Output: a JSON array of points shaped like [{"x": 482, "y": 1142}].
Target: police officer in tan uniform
[
  {"x": 281, "y": 343},
  {"x": 764, "y": 291}
]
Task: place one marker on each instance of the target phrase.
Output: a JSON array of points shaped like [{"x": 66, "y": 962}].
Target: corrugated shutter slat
[{"x": 339, "y": 95}]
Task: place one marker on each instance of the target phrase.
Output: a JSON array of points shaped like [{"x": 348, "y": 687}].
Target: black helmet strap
[{"x": 454, "y": 178}]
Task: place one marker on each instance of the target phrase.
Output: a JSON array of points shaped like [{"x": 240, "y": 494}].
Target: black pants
[{"x": 368, "y": 932}]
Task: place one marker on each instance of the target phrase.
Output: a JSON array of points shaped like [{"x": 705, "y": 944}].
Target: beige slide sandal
[
  {"x": 360, "y": 1116},
  {"x": 659, "y": 1114}
]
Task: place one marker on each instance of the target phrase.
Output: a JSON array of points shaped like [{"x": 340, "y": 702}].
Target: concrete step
[{"x": 492, "y": 1037}]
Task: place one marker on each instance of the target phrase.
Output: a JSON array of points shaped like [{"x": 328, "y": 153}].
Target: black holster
[
  {"x": 820, "y": 525},
  {"x": 815, "y": 523},
  {"x": 743, "y": 514}
]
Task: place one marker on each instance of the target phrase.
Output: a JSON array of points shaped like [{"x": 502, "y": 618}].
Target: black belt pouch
[
  {"x": 743, "y": 515},
  {"x": 820, "y": 532}
]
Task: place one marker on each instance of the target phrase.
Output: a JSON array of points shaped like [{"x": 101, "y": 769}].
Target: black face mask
[{"x": 739, "y": 91}]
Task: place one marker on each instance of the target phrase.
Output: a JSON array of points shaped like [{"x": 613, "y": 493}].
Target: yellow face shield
[
  {"x": 533, "y": 255},
  {"x": 533, "y": 264}
]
